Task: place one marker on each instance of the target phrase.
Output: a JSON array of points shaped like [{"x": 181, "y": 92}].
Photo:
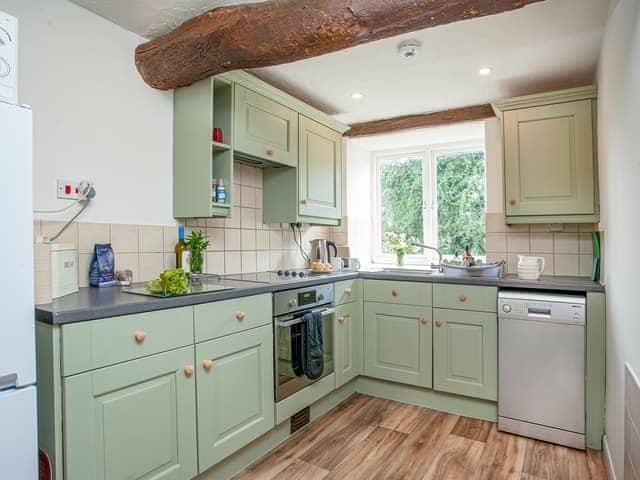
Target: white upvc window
[{"x": 405, "y": 196}]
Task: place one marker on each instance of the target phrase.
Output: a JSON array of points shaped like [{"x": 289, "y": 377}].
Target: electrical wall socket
[{"x": 68, "y": 190}]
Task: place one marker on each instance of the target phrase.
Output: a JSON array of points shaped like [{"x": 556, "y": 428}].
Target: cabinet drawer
[
  {"x": 348, "y": 291},
  {"x": 217, "y": 319},
  {"x": 465, "y": 297},
  {"x": 403, "y": 293},
  {"x": 100, "y": 343}
]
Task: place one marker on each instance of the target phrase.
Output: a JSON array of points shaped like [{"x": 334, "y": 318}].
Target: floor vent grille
[{"x": 300, "y": 419}]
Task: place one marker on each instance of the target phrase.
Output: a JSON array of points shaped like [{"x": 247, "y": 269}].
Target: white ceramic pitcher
[{"x": 530, "y": 268}]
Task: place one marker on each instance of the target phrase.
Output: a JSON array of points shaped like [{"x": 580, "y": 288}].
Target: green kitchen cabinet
[
  {"x": 235, "y": 392},
  {"x": 319, "y": 170},
  {"x": 398, "y": 343},
  {"x": 550, "y": 165},
  {"x": 264, "y": 128},
  {"x": 133, "y": 420},
  {"x": 348, "y": 338},
  {"x": 465, "y": 353}
]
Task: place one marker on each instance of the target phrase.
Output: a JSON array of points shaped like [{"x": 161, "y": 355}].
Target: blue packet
[{"x": 102, "y": 268}]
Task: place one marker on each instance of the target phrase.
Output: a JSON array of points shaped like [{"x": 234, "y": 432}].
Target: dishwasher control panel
[{"x": 542, "y": 307}]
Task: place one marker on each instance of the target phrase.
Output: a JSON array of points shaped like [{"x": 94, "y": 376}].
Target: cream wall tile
[
  {"x": 518, "y": 242},
  {"x": 169, "y": 260},
  {"x": 588, "y": 227},
  {"x": 216, "y": 239},
  {"x": 259, "y": 198},
  {"x": 215, "y": 263},
  {"x": 259, "y": 224},
  {"x": 585, "y": 246},
  {"x": 215, "y": 222},
  {"x": 263, "y": 261},
  {"x": 288, "y": 242},
  {"x": 262, "y": 240},
  {"x": 232, "y": 262},
  {"x": 565, "y": 243},
  {"x": 571, "y": 228},
  {"x": 275, "y": 240},
  {"x": 237, "y": 195},
  {"x": 518, "y": 228},
  {"x": 124, "y": 238},
  {"x": 150, "y": 239},
  {"x": 232, "y": 239},
  {"x": 70, "y": 235},
  {"x": 548, "y": 262},
  {"x": 275, "y": 258},
  {"x": 248, "y": 239},
  {"x": 84, "y": 260},
  {"x": 565, "y": 264},
  {"x": 540, "y": 227},
  {"x": 247, "y": 196},
  {"x": 128, "y": 261},
  {"x": 234, "y": 221},
  {"x": 248, "y": 175},
  {"x": 91, "y": 233},
  {"x": 169, "y": 238},
  {"x": 495, "y": 223},
  {"x": 248, "y": 218},
  {"x": 151, "y": 265},
  {"x": 541, "y": 242},
  {"x": 497, "y": 257},
  {"x": 340, "y": 238},
  {"x": 37, "y": 229},
  {"x": 249, "y": 262},
  {"x": 586, "y": 265},
  {"x": 496, "y": 242},
  {"x": 259, "y": 177}
]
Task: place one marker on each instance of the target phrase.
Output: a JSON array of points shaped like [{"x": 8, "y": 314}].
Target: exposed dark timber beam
[
  {"x": 444, "y": 117},
  {"x": 280, "y": 31}
]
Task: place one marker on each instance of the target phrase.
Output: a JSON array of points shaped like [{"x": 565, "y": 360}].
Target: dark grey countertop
[{"x": 94, "y": 303}]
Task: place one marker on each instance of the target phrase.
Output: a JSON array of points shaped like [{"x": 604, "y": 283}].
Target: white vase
[{"x": 530, "y": 268}]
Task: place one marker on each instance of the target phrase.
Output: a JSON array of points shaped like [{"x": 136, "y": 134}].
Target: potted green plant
[
  {"x": 197, "y": 244},
  {"x": 398, "y": 244}
]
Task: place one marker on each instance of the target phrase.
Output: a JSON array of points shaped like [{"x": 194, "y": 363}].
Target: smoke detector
[{"x": 409, "y": 48}]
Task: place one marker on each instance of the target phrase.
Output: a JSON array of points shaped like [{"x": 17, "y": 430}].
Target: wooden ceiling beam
[
  {"x": 423, "y": 120},
  {"x": 253, "y": 35}
]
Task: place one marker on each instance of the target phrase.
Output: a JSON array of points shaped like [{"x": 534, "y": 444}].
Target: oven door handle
[{"x": 295, "y": 321}]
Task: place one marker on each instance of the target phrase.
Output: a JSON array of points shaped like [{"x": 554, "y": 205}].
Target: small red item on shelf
[{"x": 217, "y": 135}]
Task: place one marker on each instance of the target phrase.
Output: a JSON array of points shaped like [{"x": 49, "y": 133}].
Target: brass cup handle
[
  {"x": 188, "y": 370},
  {"x": 438, "y": 323},
  {"x": 424, "y": 320},
  {"x": 341, "y": 319},
  {"x": 240, "y": 315},
  {"x": 347, "y": 291},
  {"x": 512, "y": 202},
  {"x": 303, "y": 201},
  {"x": 207, "y": 364},
  {"x": 270, "y": 153},
  {"x": 395, "y": 292},
  {"x": 462, "y": 298},
  {"x": 140, "y": 336}
]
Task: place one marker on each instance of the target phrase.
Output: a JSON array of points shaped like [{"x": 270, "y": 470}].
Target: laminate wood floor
[{"x": 370, "y": 438}]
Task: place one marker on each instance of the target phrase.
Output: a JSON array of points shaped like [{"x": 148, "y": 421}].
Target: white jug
[{"x": 530, "y": 268}]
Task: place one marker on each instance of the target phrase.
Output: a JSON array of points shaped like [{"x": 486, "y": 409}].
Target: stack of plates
[{"x": 529, "y": 272}]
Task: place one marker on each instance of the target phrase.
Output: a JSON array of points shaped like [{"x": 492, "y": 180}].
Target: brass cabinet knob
[
  {"x": 341, "y": 319},
  {"x": 462, "y": 297},
  {"x": 395, "y": 292},
  {"x": 188, "y": 370},
  {"x": 240, "y": 315},
  {"x": 438, "y": 323},
  {"x": 347, "y": 291},
  {"x": 424, "y": 320},
  {"x": 140, "y": 336},
  {"x": 270, "y": 153},
  {"x": 303, "y": 201},
  {"x": 207, "y": 364},
  {"x": 512, "y": 202}
]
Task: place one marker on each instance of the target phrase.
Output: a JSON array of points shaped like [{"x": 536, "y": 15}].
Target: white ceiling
[{"x": 547, "y": 45}]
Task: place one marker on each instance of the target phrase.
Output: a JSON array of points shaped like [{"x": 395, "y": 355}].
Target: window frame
[{"x": 429, "y": 155}]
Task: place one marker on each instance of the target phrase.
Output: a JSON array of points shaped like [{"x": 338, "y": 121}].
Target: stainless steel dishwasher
[{"x": 541, "y": 373}]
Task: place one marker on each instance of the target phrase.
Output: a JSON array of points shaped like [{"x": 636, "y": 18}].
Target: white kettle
[{"x": 530, "y": 268}]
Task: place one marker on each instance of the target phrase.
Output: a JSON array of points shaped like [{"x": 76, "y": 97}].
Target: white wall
[
  {"x": 619, "y": 144},
  {"x": 94, "y": 116}
]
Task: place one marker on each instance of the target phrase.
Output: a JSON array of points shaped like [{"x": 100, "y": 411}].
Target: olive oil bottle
[{"x": 183, "y": 256}]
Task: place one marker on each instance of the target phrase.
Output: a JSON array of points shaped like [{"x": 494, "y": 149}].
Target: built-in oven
[{"x": 290, "y": 308}]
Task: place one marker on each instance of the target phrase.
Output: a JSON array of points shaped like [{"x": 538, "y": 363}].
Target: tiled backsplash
[
  {"x": 569, "y": 252},
  {"x": 239, "y": 244}
]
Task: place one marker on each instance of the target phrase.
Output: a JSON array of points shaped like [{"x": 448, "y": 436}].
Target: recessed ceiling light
[
  {"x": 484, "y": 71},
  {"x": 357, "y": 95}
]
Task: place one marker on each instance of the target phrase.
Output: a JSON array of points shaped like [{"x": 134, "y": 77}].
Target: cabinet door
[
  {"x": 320, "y": 170},
  {"x": 348, "y": 338},
  {"x": 398, "y": 343},
  {"x": 264, "y": 128},
  {"x": 135, "y": 420},
  {"x": 549, "y": 160},
  {"x": 235, "y": 392},
  {"x": 465, "y": 353}
]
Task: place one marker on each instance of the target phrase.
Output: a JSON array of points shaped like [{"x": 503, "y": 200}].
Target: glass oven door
[{"x": 289, "y": 329}]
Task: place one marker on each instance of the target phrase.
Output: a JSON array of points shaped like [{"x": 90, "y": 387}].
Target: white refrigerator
[{"x": 18, "y": 425}]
